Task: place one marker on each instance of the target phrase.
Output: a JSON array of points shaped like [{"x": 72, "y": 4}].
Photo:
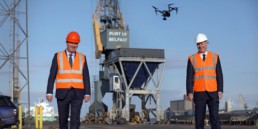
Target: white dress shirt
[
  {"x": 201, "y": 54},
  {"x": 68, "y": 55}
]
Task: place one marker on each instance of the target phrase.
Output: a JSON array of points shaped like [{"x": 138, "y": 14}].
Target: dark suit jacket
[
  {"x": 61, "y": 93},
  {"x": 190, "y": 77}
]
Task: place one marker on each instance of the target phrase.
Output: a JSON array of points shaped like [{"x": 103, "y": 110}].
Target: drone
[{"x": 166, "y": 13}]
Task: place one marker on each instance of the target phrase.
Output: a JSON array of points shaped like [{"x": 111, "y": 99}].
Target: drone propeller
[
  {"x": 156, "y": 10},
  {"x": 176, "y": 9},
  {"x": 170, "y": 4},
  {"x": 154, "y": 7},
  {"x": 173, "y": 8}
]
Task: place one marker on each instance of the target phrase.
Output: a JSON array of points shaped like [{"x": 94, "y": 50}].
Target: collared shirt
[
  {"x": 201, "y": 54},
  {"x": 68, "y": 55}
]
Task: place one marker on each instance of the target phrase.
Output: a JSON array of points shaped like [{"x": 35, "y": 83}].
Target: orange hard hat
[{"x": 73, "y": 37}]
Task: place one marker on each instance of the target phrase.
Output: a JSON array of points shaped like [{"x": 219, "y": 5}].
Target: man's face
[
  {"x": 72, "y": 47},
  {"x": 202, "y": 47}
]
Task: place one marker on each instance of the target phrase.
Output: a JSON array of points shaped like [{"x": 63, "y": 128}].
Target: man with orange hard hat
[
  {"x": 69, "y": 70},
  {"x": 204, "y": 83}
]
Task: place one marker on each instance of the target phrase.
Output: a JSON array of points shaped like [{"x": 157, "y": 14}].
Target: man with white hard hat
[{"x": 204, "y": 83}]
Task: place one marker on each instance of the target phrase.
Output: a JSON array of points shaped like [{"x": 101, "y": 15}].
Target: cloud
[
  {"x": 4, "y": 72},
  {"x": 41, "y": 65},
  {"x": 249, "y": 73},
  {"x": 167, "y": 95},
  {"x": 176, "y": 63},
  {"x": 173, "y": 93}
]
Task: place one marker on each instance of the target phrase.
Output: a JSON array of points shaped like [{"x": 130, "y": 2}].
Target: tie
[
  {"x": 71, "y": 60},
  {"x": 203, "y": 57}
]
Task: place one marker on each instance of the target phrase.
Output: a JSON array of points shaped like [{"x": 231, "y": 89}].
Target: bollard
[
  {"x": 41, "y": 117},
  {"x": 256, "y": 122},
  {"x": 36, "y": 117},
  {"x": 20, "y": 116}
]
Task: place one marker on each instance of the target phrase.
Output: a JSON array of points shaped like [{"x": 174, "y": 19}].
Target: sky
[{"x": 231, "y": 27}]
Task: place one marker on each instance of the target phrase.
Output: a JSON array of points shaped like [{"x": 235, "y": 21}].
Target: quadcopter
[{"x": 166, "y": 13}]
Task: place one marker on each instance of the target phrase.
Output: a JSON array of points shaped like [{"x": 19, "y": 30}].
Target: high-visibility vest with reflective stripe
[
  {"x": 68, "y": 77},
  {"x": 204, "y": 72}
]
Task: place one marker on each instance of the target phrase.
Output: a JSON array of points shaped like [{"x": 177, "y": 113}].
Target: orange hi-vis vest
[
  {"x": 205, "y": 72},
  {"x": 68, "y": 76}
]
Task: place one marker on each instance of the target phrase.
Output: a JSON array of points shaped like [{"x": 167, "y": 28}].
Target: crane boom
[
  {"x": 107, "y": 16},
  {"x": 243, "y": 101}
]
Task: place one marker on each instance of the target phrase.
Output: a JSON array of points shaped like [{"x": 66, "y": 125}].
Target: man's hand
[
  {"x": 86, "y": 98},
  {"x": 190, "y": 96},
  {"x": 49, "y": 98},
  {"x": 220, "y": 95}
]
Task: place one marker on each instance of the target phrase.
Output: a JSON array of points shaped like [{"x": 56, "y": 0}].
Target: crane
[
  {"x": 110, "y": 33},
  {"x": 112, "y": 40},
  {"x": 243, "y": 101},
  {"x": 108, "y": 18}
]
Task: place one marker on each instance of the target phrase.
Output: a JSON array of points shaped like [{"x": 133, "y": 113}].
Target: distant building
[
  {"x": 228, "y": 105},
  {"x": 182, "y": 107}
]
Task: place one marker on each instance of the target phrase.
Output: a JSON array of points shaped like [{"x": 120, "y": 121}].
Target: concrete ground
[
  {"x": 170, "y": 126},
  {"x": 159, "y": 127}
]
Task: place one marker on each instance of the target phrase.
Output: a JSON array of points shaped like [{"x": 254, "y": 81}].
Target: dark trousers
[
  {"x": 64, "y": 105},
  {"x": 212, "y": 100}
]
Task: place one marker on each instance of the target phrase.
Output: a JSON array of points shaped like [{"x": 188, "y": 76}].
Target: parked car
[{"x": 8, "y": 112}]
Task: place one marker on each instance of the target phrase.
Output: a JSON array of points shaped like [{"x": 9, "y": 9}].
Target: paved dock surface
[
  {"x": 159, "y": 127},
  {"x": 170, "y": 126}
]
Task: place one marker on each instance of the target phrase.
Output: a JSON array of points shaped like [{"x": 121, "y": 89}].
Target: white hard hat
[{"x": 201, "y": 38}]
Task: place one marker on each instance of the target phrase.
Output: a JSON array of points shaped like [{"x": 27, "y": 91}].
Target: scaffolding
[{"x": 14, "y": 51}]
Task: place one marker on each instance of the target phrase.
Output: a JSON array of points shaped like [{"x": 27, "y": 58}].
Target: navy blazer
[
  {"x": 61, "y": 93},
  {"x": 190, "y": 77}
]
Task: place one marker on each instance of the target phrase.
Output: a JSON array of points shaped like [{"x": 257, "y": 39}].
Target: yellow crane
[
  {"x": 244, "y": 103},
  {"x": 242, "y": 99}
]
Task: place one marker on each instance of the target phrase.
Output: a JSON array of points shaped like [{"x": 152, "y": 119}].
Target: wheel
[
  {"x": 109, "y": 121},
  {"x": 121, "y": 121}
]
